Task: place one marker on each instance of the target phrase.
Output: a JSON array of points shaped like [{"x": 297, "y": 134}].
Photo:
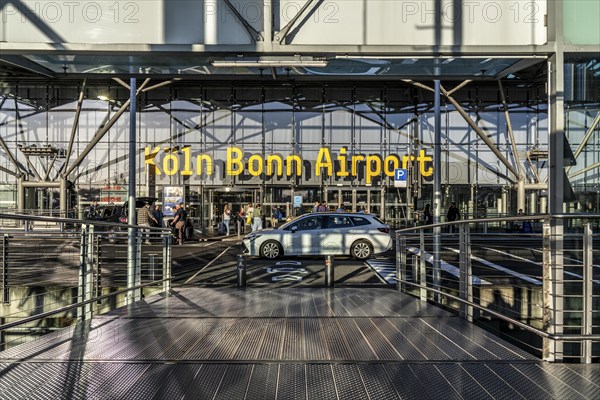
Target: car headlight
[{"x": 253, "y": 236}]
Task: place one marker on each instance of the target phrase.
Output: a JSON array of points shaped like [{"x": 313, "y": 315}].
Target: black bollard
[
  {"x": 241, "y": 271},
  {"x": 329, "y": 271}
]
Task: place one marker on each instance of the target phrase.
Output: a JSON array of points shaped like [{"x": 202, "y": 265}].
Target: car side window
[
  {"x": 309, "y": 223},
  {"x": 338, "y": 222},
  {"x": 359, "y": 221}
]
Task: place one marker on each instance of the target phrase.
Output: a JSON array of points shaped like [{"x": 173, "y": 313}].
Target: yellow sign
[{"x": 236, "y": 163}]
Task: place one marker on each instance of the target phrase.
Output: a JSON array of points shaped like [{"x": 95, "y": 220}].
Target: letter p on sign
[{"x": 400, "y": 178}]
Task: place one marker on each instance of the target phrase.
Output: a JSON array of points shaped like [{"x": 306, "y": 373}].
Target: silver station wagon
[{"x": 355, "y": 234}]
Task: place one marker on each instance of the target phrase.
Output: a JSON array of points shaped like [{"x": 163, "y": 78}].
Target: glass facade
[{"x": 248, "y": 142}]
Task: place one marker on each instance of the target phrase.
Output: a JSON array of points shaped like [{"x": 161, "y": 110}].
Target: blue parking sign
[{"x": 400, "y": 175}]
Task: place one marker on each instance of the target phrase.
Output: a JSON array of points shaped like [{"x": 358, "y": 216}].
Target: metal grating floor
[{"x": 201, "y": 343}]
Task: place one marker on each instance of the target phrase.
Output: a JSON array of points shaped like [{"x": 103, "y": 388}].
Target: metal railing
[
  {"x": 535, "y": 279},
  {"x": 54, "y": 277}
]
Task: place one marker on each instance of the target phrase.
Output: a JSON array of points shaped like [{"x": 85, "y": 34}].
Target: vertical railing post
[
  {"x": 586, "y": 323},
  {"x": 138, "y": 293},
  {"x": 400, "y": 262},
  {"x": 152, "y": 266},
  {"x": 422, "y": 269},
  {"x": 415, "y": 268},
  {"x": 5, "y": 290},
  {"x": 466, "y": 272},
  {"x": 89, "y": 272},
  {"x": 166, "y": 261},
  {"x": 98, "y": 257},
  {"x": 82, "y": 271},
  {"x": 548, "y": 346}
]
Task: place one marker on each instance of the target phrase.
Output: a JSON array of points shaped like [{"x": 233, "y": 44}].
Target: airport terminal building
[{"x": 494, "y": 105}]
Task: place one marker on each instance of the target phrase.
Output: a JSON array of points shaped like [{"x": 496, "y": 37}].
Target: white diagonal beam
[
  {"x": 473, "y": 125},
  {"x": 511, "y": 134},
  {"x": 100, "y": 134},
  {"x": 74, "y": 127},
  {"x": 586, "y": 138}
]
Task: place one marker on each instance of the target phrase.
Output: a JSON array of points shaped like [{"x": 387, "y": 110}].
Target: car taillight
[
  {"x": 384, "y": 230},
  {"x": 123, "y": 220}
]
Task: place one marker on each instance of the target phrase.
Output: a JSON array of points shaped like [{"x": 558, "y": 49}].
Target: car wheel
[
  {"x": 361, "y": 250},
  {"x": 271, "y": 249}
]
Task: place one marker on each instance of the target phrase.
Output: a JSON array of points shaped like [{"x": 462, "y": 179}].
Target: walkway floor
[{"x": 288, "y": 343}]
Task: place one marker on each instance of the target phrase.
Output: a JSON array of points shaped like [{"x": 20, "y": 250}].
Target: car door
[
  {"x": 305, "y": 238},
  {"x": 335, "y": 238}
]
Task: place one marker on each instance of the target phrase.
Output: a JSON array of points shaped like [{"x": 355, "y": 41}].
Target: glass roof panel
[{"x": 160, "y": 64}]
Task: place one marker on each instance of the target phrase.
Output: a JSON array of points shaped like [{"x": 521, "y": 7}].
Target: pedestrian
[
  {"x": 249, "y": 216},
  {"x": 91, "y": 214},
  {"x": 316, "y": 207},
  {"x": 276, "y": 216},
  {"x": 226, "y": 218},
  {"x": 340, "y": 208},
  {"x": 427, "y": 218},
  {"x": 179, "y": 222},
  {"x": 256, "y": 218},
  {"x": 241, "y": 221},
  {"x": 323, "y": 207},
  {"x": 158, "y": 214},
  {"x": 452, "y": 215},
  {"x": 144, "y": 216}
]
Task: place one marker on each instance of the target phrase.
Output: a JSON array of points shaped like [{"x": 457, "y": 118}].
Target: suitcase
[{"x": 221, "y": 229}]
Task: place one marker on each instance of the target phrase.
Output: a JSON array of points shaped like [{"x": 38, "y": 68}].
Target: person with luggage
[
  {"x": 276, "y": 216},
  {"x": 179, "y": 222}
]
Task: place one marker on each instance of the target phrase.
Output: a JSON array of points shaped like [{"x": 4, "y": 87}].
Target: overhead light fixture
[{"x": 270, "y": 63}]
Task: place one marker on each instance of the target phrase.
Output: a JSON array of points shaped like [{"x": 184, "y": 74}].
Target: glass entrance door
[{"x": 216, "y": 199}]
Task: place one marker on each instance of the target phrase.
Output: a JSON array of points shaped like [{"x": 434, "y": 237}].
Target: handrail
[
  {"x": 537, "y": 217},
  {"x": 77, "y": 305},
  {"x": 520, "y": 324},
  {"x": 24, "y": 217}
]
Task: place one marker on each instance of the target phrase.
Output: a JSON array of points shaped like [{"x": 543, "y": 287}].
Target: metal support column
[
  {"x": 20, "y": 194},
  {"x": 63, "y": 201},
  {"x": 588, "y": 273},
  {"x": 533, "y": 200},
  {"x": 133, "y": 259},
  {"x": 466, "y": 272},
  {"x": 437, "y": 185},
  {"x": 521, "y": 199},
  {"x": 556, "y": 193},
  {"x": 554, "y": 228},
  {"x": 549, "y": 314}
]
